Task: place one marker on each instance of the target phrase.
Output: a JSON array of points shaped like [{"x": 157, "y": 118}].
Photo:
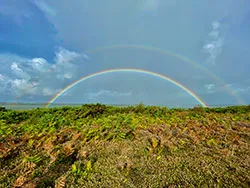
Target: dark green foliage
[
  {"x": 12, "y": 116},
  {"x": 2, "y": 109}
]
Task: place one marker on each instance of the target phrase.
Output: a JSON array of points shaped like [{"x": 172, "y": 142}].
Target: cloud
[
  {"x": 1, "y": 78},
  {"x": 65, "y": 63},
  {"x": 43, "y": 6},
  {"x": 20, "y": 86},
  {"x": 40, "y": 64},
  {"x": 214, "y": 49},
  {"x": 18, "y": 71},
  {"x": 18, "y": 10},
  {"x": 239, "y": 88},
  {"x": 49, "y": 91},
  {"x": 109, "y": 93},
  {"x": 210, "y": 88},
  {"x": 150, "y": 5},
  {"x": 36, "y": 76},
  {"x": 214, "y": 34},
  {"x": 216, "y": 25},
  {"x": 65, "y": 56},
  {"x": 68, "y": 76},
  {"x": 236, "y": 87},
  {"x": 64, "y": 76},
  {"x": 3, "y": 82},
  {"x": 214, "y": 45},
  {"x": 242, "y": 90},
  {"x": 85, "y": 56}
]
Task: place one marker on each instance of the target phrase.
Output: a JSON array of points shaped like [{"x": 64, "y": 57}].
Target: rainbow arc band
[
  {"x": 197, "y": 98},
  {"x": 167, "y": 52}
]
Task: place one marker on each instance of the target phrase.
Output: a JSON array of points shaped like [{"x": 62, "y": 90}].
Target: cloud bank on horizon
[{"x": 44, "y": 47}]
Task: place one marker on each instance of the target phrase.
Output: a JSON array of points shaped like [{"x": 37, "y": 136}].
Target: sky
[{"x": 203, "y": 45}]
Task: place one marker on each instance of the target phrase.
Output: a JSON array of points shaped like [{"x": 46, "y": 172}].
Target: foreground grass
[{"x": 103, "y": 146}]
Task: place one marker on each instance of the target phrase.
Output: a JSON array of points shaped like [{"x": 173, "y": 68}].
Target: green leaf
[
  {"x": 89, "y": 166},
  {"x": 74, "y": 168},
  {"x": 211, "y": 142},
  {"x": 154, "y": 142}
]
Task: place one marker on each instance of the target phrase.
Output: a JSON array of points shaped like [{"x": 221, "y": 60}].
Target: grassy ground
[{"x": 104, "y": 146}]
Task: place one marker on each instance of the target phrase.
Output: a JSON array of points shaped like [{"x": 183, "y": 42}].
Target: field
[{"x": 137, "y": 146}]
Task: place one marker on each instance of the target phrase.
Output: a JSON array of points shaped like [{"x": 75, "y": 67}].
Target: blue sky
[{"x": 46, "y": 45}]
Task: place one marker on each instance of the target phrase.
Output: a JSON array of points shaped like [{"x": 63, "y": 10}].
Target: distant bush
[
  {"x": 12, "y": 116},
  {"x": 2, "y": 108},
  {"x": 230, "y": 109},
  {"x": 198, "y": 109}
]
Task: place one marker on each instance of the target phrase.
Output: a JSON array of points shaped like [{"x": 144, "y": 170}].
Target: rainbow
[
  {"x": 198, "y": 99},
  {"x": 167, "y": 52}
]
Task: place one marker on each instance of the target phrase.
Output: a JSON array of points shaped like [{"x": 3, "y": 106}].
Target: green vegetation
[{"x": 137, "y": 146}]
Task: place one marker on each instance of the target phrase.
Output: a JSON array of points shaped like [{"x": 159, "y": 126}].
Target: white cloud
[
  {"x": 43, "y": 6},
  {"x": 65, "y": 66},
  {"x": 237, "y": 88},
  {"x": 68, "y": 75},
  {"x": 150, "y": 5},
  {"x": 49, "y": 91},
  {"x": 242, "y": 90},
  {"x": 210, "y": 88},
  {"x": 214, "y": 34},
  {"x": 24, "y": 77},
  {"x": 3, "y": 82},
  {"x": 21, "y": 86},
  {"x": 64, "y": 76},
  {"x": 213, "y": 49},
  {"x": 18, "y": 10},
  {"x": 214, "y": 45},
  {"x": 110, "y": 93},
  {"x": 15, "y": 68},
  {"x": 18, "y": 71},
  {"x": 85, "y": 56},
  {"x": 40, "y": 64},
  {"x": 215, "y": 25},
  {"x": 2, "y": 77},
  {"x": 65, "y": 56}
]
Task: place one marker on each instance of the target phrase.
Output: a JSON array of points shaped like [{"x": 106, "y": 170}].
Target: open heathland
[{"x": 137, "y": 146}]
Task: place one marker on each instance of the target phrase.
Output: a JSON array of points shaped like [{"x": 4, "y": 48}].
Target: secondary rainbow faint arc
[
  {"x": 197, "y": 98},
  {"x": 167, "y": 52}
]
